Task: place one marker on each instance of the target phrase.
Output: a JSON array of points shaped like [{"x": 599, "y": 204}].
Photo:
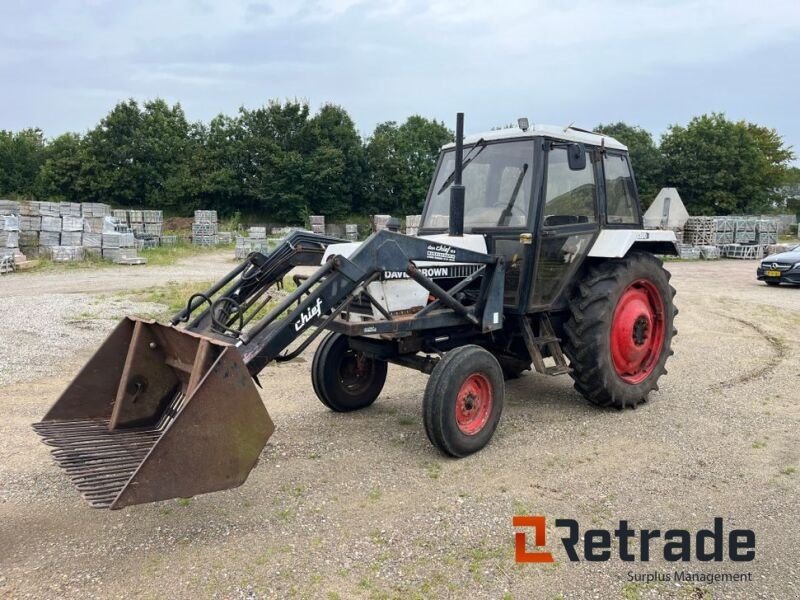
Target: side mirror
[{"x": 576, "y": 156}]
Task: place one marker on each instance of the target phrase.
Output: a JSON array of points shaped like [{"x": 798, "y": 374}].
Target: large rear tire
[
  {"x": 343, "y": 379},
  {"x": 619, "y": 334},
  {"x": 463, "y": 400}
]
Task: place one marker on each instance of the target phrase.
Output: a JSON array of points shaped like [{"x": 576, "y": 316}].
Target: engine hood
[
  {"x": 792, "y": 257},
  {"x": 474, "y": 242}
]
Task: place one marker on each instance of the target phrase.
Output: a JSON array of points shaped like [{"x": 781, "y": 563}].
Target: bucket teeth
[{"x": 100, "y": 461}]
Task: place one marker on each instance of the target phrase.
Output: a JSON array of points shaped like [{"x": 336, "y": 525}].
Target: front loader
[{"x": 535, "y": 259}]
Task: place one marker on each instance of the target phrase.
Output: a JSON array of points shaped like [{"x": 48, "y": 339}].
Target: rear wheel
[
  {"x": 343, "y": 379},
  {"x": 619, "y": 335},
  {"x": 463, "y": 401}
]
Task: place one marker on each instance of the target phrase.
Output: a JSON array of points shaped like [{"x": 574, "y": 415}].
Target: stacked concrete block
[
  {"x": 92, "y": 239},
  {"x": 412, "y": 224},
  {"x": 700, "y": 231},
  {"x": 66, "y": 253},
  {"x": 9, "y": 207},
  {"x": 317, "y": 224},
  {"x": 351, "y": 232},
  {"x": 94, "y": 210},
  {"x": 69, "y": 209},
  {"x": 71, "y": 223},
  {"x": 380, "y": 222},
  {"x": 93, "y": 224},
  {"x": 9, "y": 232},
  {"x": 71, "y": 238},
  {"x": 767, "y": 231},
  {"x": 204, "y": 228},
  {"x": 257, "y": 233},
  {"x": 51, "y": 224},
  {"x": 48, "y": 239},
  {"x": 246, "y": 245}
]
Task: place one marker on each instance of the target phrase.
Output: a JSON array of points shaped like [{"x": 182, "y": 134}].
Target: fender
[{"x": 616, "y": 243}]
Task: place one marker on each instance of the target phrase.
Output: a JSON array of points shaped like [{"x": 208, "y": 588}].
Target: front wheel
[
  {"x": 619, "y": 334},
  {"x": 343, "y": 379},
  {"x": 463, "y": 400}
]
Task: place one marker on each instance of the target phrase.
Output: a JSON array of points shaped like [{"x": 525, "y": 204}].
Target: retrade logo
[
  {"x": 632, "y": 545},
  {"x": 521, "y": 553}
]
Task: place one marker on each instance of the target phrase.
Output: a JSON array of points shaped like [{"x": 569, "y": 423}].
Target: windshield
[{"x": 497, "y": 186}]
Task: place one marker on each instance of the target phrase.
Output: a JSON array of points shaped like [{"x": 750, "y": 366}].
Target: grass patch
[
  {"x": 758, "y": 444},
  {"x": 433, "y": 470},
  {"x": 788, "y": 471},
  {"x": 169, "y": 255}
]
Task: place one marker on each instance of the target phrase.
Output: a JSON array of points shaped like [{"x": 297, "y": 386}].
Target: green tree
[
  {"x": 137, "y": 156},
  {"x": 646, "y": 158},
  {"x": 401, "y": 160},
  {"x": 336, "y": 164},
  {"x": 21, "y": 157},
  {"x": 725, "y": 167},
  {"x": 61, "y": 170}
]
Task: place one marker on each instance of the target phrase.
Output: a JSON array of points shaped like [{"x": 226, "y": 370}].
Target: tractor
[{"x": 531, "y": 255}]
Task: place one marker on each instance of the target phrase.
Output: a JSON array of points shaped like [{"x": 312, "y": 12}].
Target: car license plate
[{"x": 773, "y": 273}]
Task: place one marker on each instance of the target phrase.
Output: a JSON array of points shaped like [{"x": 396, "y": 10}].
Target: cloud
[{"x": 583, "y": 60}]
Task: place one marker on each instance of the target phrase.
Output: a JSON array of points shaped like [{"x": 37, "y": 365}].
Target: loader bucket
[{"x": 157, "y": 413}]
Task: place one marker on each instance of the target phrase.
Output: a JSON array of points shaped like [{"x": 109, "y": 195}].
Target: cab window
[
  {"x": 571, "y": 195},
  {"x": 497, "y": 182},
  {"x": 621, "y": 202}
]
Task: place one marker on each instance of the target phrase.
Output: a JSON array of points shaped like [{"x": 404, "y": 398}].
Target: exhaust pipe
[{"x": 457, "y": 189}]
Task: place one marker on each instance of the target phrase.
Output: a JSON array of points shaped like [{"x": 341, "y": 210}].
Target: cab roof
[{"x": 568, "y": 134}]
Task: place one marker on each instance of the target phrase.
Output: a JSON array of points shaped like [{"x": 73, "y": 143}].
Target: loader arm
[{"x": 162, "y": 411}]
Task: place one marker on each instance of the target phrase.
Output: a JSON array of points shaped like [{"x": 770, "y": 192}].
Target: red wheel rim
[
  {"x": 473, "y": 404},
  {"x": 637, "y": 331}
]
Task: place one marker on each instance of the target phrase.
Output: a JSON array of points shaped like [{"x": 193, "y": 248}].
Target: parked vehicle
[{"x": 783, "y": 267}]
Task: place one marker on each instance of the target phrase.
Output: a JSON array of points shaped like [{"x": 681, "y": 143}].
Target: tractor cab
[{"x": 539, "y": 197}]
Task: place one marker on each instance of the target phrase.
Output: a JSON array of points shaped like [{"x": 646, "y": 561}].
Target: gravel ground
[{"x": 361, "y": 505}]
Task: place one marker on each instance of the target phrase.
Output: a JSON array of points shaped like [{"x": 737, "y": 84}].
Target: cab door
[{"x": 568, "y": 223}]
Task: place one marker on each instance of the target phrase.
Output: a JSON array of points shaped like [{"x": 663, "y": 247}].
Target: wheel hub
[
  {"x": 474, "y": 404},
  {"x": 637, "y": 331}
]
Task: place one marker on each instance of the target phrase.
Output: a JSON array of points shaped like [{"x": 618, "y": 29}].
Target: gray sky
[{"x": 63, "y": 65}]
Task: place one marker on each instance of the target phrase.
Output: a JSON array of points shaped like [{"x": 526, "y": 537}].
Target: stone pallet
[
  {"x": 51, "y": 223},
  {"x": 28, "y": 238},
  {"x": 742, "y": 251},
  {"x": 30, "y": 223},
  {"x": 69, "y": 209},
  {"x": 94, "y": 210},
  {"x": 168, "y": 240},
  {"x": 49, "y": 238},
  {"x": 65, "y": 253},
  {"x": 9, "y": 207},
  {"x": 9, "y": 239},
  {"x": 244, "y": 246},
  {"x": 205, "y": 240},
  {"x": 92, "y": 239},
  {"x": 688, "y": 252},
  {"x": 71, "y": 238},
  {"x": 204, "y": 228},
  {"x": 70, "y": 223},
  {"x": 259, "y": 233},
  {"x": 205, "y": 216}
]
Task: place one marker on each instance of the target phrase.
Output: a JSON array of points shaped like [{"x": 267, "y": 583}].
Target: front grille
[{"x": 776, "y": 266}]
